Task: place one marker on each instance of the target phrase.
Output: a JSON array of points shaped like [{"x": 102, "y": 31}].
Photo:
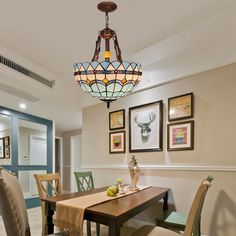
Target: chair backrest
[
  {"x": 48, "y": 185},
  {"x": 84, "y": 181},
  {"x": 12, "y": 205},
  {"x": 194, "y": 217}
]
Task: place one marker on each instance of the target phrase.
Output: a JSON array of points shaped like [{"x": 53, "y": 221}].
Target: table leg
[
  {"x": 114, "y": 229},
  {"x": 49, "y": 226},
  {"x": 165, "y": 205}
]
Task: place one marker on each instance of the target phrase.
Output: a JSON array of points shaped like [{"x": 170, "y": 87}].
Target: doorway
[{"x": 59, "y": 157}]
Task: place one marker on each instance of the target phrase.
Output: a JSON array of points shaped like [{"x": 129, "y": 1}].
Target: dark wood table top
[
  {"x": 117, "y": 206},
  {"x": 111, "y": 213}
]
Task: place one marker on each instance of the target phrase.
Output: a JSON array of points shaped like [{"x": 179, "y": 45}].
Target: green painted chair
[
  {"x": 84, "y": 182},
  {"x": 192, "y": 227},
  {"x": 177, "y": 220}
]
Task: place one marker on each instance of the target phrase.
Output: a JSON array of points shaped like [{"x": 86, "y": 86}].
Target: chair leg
[
  {"x": 88, "y": 228},
  {"x": 98, "y": 229}
]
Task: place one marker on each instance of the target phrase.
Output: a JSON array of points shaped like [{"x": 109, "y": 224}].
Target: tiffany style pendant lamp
[{"x": 107, "y": 80}]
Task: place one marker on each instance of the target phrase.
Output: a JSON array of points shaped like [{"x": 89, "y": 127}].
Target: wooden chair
[
  {"x": 85, "y": 182},
  {"x": 178, "y": 220},
  {"x": 12, "y": 206},
  {"x": 48, "y": 185},
  {"x": 192, "y": 227}
]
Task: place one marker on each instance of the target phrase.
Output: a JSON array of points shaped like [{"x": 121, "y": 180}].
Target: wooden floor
[{"x": 35, "y": 225}]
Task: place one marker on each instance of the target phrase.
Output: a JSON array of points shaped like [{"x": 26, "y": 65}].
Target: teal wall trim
[{"x": 15, "y": 167}]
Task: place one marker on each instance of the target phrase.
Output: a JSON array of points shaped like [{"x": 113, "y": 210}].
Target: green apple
[{"x": 112, "y": 191}]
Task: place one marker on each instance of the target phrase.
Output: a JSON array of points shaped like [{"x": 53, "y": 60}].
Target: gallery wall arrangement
[
  {"x": 117, "y": 139},
  {"x": 146, "y": 126},
  {"x": 5, "y": 147}
]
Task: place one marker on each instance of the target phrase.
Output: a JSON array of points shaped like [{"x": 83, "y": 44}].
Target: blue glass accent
[
  {"x": 94, "y": 64},
  {"x": 133, "y": 65},
  {"x": 126, "y": 64},
  {"x": 105, "y": 64},
  {"x": 85, "y": 65},
  {"x": 116, "y": 64}
]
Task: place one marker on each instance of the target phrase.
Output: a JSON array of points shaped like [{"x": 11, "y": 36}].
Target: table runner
[{"x": 70, "y": 213}]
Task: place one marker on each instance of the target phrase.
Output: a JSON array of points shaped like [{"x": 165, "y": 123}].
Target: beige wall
[
  {"x": 214, "y": 149},
  {"x": 66, "y": 156}
]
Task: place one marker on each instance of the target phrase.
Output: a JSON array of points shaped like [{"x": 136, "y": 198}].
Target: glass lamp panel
[
  {"x": 110, "y": 87},
  {"x": 125, "y": 64},
  {"x": 111, "y": 77},
  {"x": 91, "y": 77},
  {"x": 86, "y": 88},
  {"x": 101, "y": 87},
  {"x": 100, "y": 77},
  {"x": 95, "y": 94},
  {"x": 129, "y": 68},
  {"x": 120, "y": 76},
  {"x": 105, "y": 64},
  {"x": 111, "y": 67},
  {"x": 77, "y": 77},
  {"x": 94, "y": 87},
  {"x": 83, "y": 77},
  {"x": 109, "y": 94},
  {"x": 121, "y": 67},
  {"x": 115, "y": 64},
  {"x": 90, "y": 68},
  {"x": 129, "y": 77},
  {"x": 85, "y": 65}
]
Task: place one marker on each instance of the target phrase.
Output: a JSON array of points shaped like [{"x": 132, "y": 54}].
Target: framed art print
[
  {"x": 117, "y": 142},
  {"x": 180, "y": 136},
  {"x": 145, "y": 127},
  {"x": 6, "y": 141},
  {"x": 1, "y": 148},
  {"x": 7, "y": 152},
  {"x": 117, "y": 119},
  {"x": 180, "y": 107}
]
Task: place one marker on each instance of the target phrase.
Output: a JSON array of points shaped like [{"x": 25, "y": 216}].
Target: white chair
[
  {"x": 192, "y": 227},
  {"x": 12, "y": 206}
]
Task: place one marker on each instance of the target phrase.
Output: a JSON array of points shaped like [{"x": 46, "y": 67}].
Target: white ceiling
[{"x": 169, "y": 38}]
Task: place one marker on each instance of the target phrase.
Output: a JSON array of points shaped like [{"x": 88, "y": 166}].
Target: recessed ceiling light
[{"x": 22, "y": 105}]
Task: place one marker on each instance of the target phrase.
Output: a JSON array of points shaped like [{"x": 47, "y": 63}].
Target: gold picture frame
[
  {"x": 117, "y": 119},
  {"x": 180, "y": 107}
]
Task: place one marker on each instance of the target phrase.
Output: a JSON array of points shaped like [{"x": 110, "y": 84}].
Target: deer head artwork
[{"x": 144, "y": 124}]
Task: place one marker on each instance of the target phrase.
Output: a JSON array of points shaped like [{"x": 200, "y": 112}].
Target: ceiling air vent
[{"x": 22, "y": 70}]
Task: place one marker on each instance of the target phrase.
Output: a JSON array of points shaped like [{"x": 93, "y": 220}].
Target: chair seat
[
  {"x": 150, "y": 230},
  {"x": 175, "y": 220}
]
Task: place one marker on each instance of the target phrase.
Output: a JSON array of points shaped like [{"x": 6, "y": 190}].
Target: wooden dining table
[{"x": 111, "y": 213}]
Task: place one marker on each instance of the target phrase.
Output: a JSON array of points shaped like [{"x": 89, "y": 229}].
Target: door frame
[{"x": 61, "y": 157}]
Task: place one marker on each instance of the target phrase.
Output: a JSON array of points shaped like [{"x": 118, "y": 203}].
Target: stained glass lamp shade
[{"x": 107, "y": 80}]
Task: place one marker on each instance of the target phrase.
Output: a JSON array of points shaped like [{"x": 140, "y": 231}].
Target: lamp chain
[{"x": 107, "y": 20}]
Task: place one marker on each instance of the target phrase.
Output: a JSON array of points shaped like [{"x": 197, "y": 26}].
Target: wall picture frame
[
  {"x": 117, "y": 119},
  {"x": 1, "y": 148},
  {"x": 6, "y": 141},
  {"x": 180, "y": 107},
  {"x": 7, "y": 152},
  {"x": 180, "y": 136},
  {"x": 117, "y": 142},
  {"x": 146, "y": 127}
]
